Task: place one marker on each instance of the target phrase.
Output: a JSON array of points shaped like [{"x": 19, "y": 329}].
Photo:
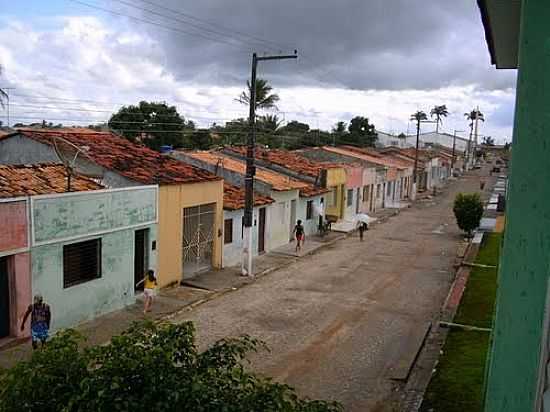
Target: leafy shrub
[
  {"x": 150, "y": 367},
  {"x": 468, "y": 210}
]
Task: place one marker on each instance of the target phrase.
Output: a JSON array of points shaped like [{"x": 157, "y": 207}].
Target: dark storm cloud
[{"x": 359, "y": 44}]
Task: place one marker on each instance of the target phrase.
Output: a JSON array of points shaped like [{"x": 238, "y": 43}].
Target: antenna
[{"x": 69, "y": 154}]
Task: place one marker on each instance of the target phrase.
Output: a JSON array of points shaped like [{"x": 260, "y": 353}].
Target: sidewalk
[{"x": 102, "y": 328}]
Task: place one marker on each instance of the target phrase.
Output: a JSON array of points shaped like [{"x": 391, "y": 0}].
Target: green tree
[
  {"x": 361, "y": 132},
  {"x": 402, "y": 135},
  {"x": 200, "y": 139},
  {"x": 269, "y": 123},
  {"x": 471, "y": 117},
  {"x": 488, "y": 141},
  {"x": 264, "y": 98},
  {"x": 439, "y": 112},
  {"x": 152, "y": 123},
  {"x": 295, "y": 127},
  {"x": 468, "y": 210},
  {"x": 148, "y": 368}
]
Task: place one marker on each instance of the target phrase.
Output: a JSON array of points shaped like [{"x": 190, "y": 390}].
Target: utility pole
[
  {"x": 250, "y": 168},
  {"x": 454, "y": 146},
  {"x": 475, "y": 135},
  {"x": 415, "y": 170}
]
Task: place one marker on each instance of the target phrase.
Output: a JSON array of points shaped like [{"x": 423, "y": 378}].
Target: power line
[
  {"x": 251, "y": 36},
  {"x": 196, "y": 26},
  {"x": 157, "y": 24}
]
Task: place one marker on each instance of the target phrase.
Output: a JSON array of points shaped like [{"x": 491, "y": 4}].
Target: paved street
[{"x": 341, "y": 322}]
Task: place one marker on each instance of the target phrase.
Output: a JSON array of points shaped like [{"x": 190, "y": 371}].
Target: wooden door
[
  {"x": 261, "y": 231},
  {"x": 4, "y": 298},
  {"x": 140, "y": 256}
]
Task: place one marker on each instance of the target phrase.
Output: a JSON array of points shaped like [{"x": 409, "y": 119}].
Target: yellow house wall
[
  {"x": 172, "y": 200},
  {"x": 336, "y": 178}
]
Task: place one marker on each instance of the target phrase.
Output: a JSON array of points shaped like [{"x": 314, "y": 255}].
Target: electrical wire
[
  {"x": 174, "y": 29},
  {"x": 215, "y": 32}
]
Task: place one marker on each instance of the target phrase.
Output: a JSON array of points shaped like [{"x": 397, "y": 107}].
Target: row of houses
[{"x": 83, "y": 236}]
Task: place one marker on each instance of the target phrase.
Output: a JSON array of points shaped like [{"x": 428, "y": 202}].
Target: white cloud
[{"x": 82, "y": 57}]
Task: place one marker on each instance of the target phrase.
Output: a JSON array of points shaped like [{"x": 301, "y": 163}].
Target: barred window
[
  {"x": 309, "y": 209},
  {"x": 81, "y": 262},
  {"x": 228, "y": 231}
]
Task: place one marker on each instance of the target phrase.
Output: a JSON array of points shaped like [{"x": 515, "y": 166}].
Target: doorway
[
  {"x": 4, "y": 298},
  {"x": 198, "y": 238},
  {"x": 357, "y": 200},
  {"x": 261, "y": 231},
  {"x": 141, "y": 238},
  {"x": 292, "y": 217}
]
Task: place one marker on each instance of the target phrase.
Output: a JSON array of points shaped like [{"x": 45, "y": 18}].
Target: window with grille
[
  {"x": 228, "y": 231},
  {"x": 81, "y": 262},
  {"x": 350, "y": 197},
  {"x": 309, "y": 209}
]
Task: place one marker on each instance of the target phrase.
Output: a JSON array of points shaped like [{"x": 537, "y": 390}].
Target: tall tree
[
  {"x": 264, "y": 98},
  {"x": 439, "y": 112},
  {"x": 488, "y": 141},
  {"x": 361, "y": 132},
  {"x": 269, "y": 123},
  {"x": 152, "y": 123},
  {"x": 472, "y": 117}
]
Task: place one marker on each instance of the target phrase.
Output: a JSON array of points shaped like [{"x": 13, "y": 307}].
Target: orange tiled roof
[
  {"x": 278, "y": 181},
  {"x": 366, "y": 155},
  {"x": 290, "y": 160},
  {"x": 128, "y": 159},
  {"x": 40, "y": 179},
  {"x": 233, "y": 198}
]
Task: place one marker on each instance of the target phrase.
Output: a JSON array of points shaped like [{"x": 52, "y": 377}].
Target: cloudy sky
[{"x": 77, "y": 61}]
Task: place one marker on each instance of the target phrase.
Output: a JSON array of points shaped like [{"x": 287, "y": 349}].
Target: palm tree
[
  {"x": 473, "y": 116},
  {"x": 439, "y": 112},
  {"x": 269, "y": 123},
  {"x": 418, "y": 117},
  {"x": 264, "y": 98}
]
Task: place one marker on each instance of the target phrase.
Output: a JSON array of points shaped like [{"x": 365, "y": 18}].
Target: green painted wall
[
  {"x": 75, "y": 217},
  {"x": 515, "y": 362},
  {"x": 55, "y": 217}
]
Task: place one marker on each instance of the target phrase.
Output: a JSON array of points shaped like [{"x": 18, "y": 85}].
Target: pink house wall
[
  {"x": 13, "y": 221},
  {"x": 20, "y": 292},
  {"x": 354, "y": 177}
]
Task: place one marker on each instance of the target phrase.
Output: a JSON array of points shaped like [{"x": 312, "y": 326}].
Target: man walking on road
[
  {"x": 362, "y": 228},
  {"x": 40, "y": 321}
]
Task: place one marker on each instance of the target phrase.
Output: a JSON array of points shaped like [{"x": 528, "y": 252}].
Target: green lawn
[{"x": 457, "y": 385}]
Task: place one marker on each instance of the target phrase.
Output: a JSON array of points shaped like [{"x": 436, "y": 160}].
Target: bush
[
  {"x": 468, "y": 210},
  {"x": 148, "y": 368}
]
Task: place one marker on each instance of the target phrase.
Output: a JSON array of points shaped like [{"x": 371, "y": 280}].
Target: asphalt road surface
[{"x": 342, "y": 321}]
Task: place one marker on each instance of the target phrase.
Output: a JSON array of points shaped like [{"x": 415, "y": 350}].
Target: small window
[
  {"x": 350, "y": 197},
  {"x": 81, "y": 262},
  {"x": 388, "y": 191},
  {"x": 366, "y": 193},
  {"x": 227, "y": 231},
  {"x": 309, "y": 209},
  {"x": 378, "y": 191}
]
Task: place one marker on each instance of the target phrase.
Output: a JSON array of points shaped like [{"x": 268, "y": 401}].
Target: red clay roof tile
[
  {"x": 128, "y": 159},
  {"x": 234, "y": 197},
  {"x": 40, "y": 179}
]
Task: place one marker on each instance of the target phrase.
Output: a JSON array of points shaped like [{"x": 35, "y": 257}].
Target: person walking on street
[
  {"x": 299, "y": 233},
  {"x": 149, "y": 285},
  {"x": 362, "y": 228},
  {"x": 40, "y": 321}
]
